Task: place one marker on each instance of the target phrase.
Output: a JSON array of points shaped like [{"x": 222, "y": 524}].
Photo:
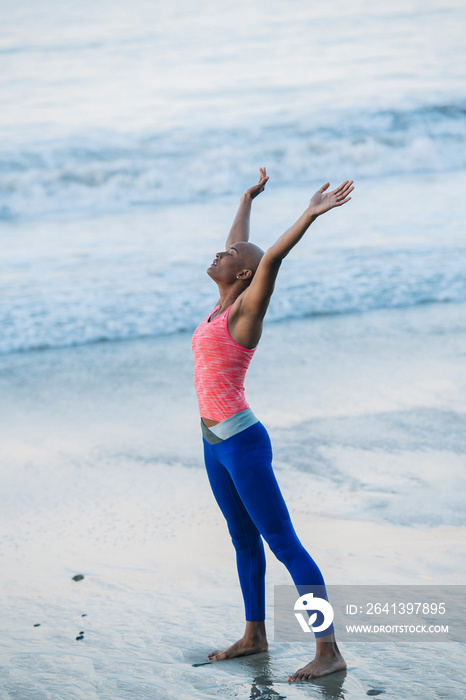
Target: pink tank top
[{"x": 220, "y": 365}]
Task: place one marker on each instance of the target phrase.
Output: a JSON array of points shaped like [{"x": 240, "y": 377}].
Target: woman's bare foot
[
  {"x": 327, "y": 660},
  {"x": 253, "y": 641}
]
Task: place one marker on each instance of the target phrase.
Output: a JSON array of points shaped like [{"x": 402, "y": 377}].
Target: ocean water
[{"x": 129, "y": 130}]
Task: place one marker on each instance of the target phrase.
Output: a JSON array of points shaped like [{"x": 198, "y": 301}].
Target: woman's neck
[{"x": 228, "y": 296}]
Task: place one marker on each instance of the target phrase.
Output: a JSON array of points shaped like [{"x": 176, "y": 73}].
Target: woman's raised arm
[
  {"x": 256, "y": 297},
  {"x": 240, "y": 227}
]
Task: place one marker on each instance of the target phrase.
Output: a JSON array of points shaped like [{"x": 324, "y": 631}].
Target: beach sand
[{"x": 102, "y": 475}]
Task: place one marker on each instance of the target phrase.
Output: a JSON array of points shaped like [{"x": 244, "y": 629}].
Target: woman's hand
[
  {"x": 240, "y": 227},
  {"x": 252, "y": 192},
  {"x": 324, "y": 201}
]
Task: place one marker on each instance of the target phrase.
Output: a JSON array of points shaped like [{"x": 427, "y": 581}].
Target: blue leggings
[{"x": 246, "y": 490}]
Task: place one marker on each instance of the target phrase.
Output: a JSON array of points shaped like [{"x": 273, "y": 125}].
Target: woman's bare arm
[
  {"x": 256, "y": 297},
  {"x": 240, "y": 227},
  {"x": 320, "y": 203}
]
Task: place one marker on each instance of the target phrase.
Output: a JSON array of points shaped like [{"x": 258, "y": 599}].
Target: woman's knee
[
  {"x": 250, "y": 541},
  {"x": 285, "y": 546}
]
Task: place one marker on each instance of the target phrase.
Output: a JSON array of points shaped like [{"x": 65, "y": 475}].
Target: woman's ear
[{"x": 244, "y": 275}]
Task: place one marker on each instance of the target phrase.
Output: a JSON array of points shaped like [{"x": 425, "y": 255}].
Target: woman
[{"x": 237, "y": 449}]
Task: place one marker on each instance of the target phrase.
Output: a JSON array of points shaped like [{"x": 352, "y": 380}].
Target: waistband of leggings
[{"x": 228, "y": 427}]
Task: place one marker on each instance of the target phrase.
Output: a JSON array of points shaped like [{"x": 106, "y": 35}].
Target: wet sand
[{"x": 102, "y": 476}]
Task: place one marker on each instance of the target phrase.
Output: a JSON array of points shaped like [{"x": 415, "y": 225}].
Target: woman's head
[{"x": 239, "y": 262}]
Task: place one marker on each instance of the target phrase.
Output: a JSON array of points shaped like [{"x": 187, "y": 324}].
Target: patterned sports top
[{"x": 220, "y": 365}]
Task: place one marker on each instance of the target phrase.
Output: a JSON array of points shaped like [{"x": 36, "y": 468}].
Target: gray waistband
[{"x": 229, "y": 427}]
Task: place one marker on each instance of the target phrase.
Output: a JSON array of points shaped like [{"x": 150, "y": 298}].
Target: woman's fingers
[
  {"x": 344, "y": 187},
  {"x": 342, "y": 192},
  {"x": 262, "y": 177},
  {"x": 343, "y": 201}
]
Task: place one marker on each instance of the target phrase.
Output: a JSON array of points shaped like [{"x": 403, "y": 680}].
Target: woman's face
[
  {"x": 240, "y": 261},
  {"x": 229, "y": 266}
]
